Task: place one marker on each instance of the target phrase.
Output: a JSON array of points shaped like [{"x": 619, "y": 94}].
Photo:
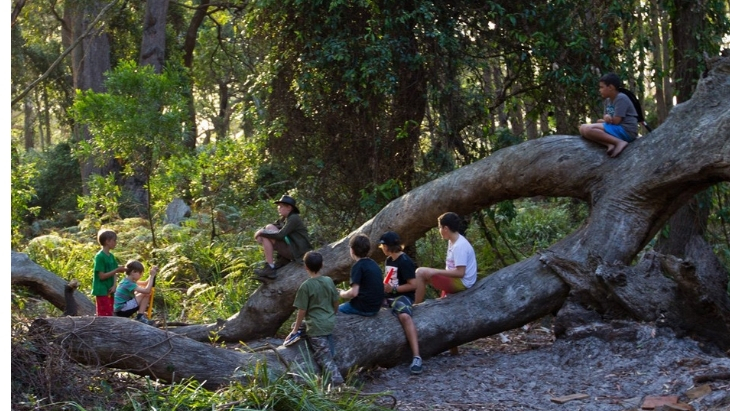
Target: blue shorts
[
  {"x": 401, "y": 305},
  {"x": 346, "y": 308},
  {"x": 618, "y": 132}
]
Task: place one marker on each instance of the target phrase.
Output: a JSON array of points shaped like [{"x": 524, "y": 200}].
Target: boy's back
[{"x": 318, "y": 296}]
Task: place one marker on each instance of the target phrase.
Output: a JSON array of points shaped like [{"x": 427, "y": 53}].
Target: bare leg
[
  {"x": 420, "y": 288},
  {"x": 143, "y": 300},
  {"x": 615, "y": 146},
  {"x": 268, "y": 244},
  {"x": 410, "y": 330}
]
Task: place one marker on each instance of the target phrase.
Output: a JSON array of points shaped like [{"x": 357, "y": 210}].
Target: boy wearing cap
[
  {"x": 288, "y": 236},
  {"x": 400, "y": 290}
]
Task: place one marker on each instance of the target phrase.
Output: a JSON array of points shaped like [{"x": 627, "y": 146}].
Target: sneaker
[
  {"x": 416, "y": 365},
  {"x": 266, "y": 272},
  {"x": 143, "y": 319},
  {"x": 294, "y": 338}
]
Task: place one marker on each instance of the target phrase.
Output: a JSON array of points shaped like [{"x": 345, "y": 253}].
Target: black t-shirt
[
  {"x": 403, "y": 270},
  {"x": 366, "y": 273}
]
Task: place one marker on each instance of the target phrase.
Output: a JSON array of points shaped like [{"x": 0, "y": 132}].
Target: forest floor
[{"x": 527, "y": 369}]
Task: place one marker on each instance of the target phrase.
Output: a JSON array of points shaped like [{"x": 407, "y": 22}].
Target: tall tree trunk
[
  {"x": 89, "y": 62},
  {"x": 29, "y": 116},
  {"x": 191, "y": 39},
  {"x": 409, "y": 107},
  {"x": 222, "y": 121},
  {"x": 687, "y": 22},
  {"x": 152, "y": 51},
  {"x": 660, "y": 57}
]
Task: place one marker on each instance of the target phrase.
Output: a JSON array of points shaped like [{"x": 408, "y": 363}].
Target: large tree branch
[
  {"x": 631, "y": 197},
  {"x": 48, "y": 285}
]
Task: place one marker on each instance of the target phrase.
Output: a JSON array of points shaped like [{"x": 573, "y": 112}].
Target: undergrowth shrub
[{"x": 44, "y": 377}]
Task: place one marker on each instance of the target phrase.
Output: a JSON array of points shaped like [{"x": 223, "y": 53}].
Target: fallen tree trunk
[
  {"x": 48, "y": 285},
  {"x": 493, "y": 305},
  {"x": 631, "y": 197}
]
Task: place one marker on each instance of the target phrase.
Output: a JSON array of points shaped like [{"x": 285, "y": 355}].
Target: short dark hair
[
  {"x": 450, "y": 220},
  {"x": 133, "y": 265},
  {"x": 313, "y": 261},
  {"x": 105, "y": 235},
  {"x": 360, "y": 245},
  {"x": 393, "y": 248},
  {"x": 611, "y": 79}
]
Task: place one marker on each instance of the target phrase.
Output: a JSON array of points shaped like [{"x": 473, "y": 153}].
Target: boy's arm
[
  {"x": 147, "y": 287},
  {"x": 351, "y": 293},
  {"x": 104, "y": 276},
  {"x": 298, "y": 322}
]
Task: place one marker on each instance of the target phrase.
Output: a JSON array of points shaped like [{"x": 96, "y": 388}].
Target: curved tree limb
[
  {"x": 631, "y": 197},
  {"x": 25, "y": 272}
]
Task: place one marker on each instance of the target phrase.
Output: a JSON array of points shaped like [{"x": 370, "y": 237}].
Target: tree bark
[
  {"x": 104, "y": 341},
  {"x": 51, "y": 287},
  {"x": 152, "y": 51},
  {"x": 88, "y": 65}
]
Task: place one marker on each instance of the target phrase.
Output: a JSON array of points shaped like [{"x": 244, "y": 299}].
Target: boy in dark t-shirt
[
  {"x": 400, "y": 289},
  {"x": 366, "y": 281}
]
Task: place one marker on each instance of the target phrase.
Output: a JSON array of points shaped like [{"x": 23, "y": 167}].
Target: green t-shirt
[
  {"x": 318, "y": 297},
  {"x": 124, "y": 293},
  {"x": 103, "y": 263}
]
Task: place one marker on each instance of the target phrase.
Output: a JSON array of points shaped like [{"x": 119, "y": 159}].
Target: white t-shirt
[{"x": 461, "y": 253}]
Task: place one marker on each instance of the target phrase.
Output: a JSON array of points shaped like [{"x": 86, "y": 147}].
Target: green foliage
[
  {"x": 102, "y": 203},
  {"x": 138, "y": 120},
  {"x": 718, "y": 227},
  {"x": 65, "y": 257},
  {"x": 21, "y": 194},
  {"x": 372, "y": 198},
  {"x": 537, "y": 225},
  {"x": 58, "y": 182}
]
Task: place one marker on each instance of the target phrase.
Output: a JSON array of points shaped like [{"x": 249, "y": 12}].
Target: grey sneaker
[
  {"x": 143, "y": 319},
  {"x": 416, "y": 365}
]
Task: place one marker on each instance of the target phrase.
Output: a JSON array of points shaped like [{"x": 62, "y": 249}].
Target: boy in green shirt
[
  {"x": 317, "y": 300},
  {"x": 106, "y": 267}
]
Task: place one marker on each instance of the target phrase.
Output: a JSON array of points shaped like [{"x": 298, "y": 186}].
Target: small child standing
[
  {"x": 620, "y": 123},
  {"x": 317, "y": 300},
  {"x": 133, "y": 296},
  {"x": 106, "y": 267}
]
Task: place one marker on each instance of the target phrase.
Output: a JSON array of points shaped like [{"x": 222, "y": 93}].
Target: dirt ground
[{"x": 615, "y": 367}]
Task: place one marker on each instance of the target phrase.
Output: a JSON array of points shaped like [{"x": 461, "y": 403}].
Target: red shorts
[
  {"x": 447, "y": 285},
  {"x": 104, "y": 306}
]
